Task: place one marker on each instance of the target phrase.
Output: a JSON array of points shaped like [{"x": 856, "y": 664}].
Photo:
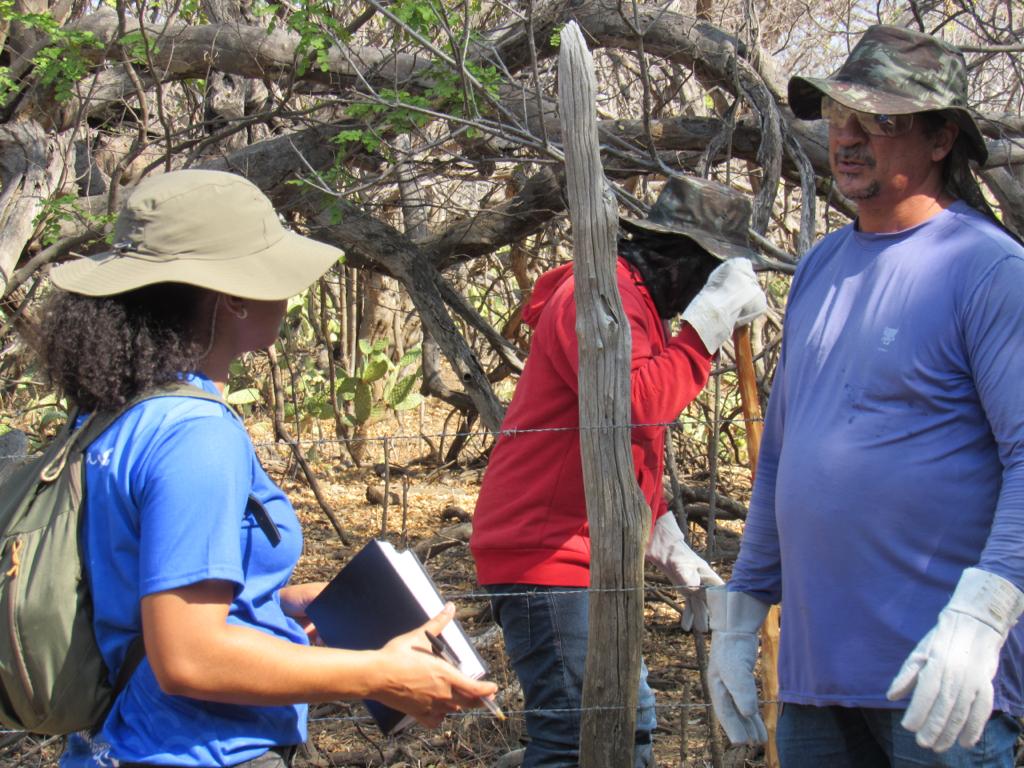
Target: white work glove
[
  {"x": 735, "y": 619},
  {"x": 668, "y": 550},
  {"x": 731, "y": 298},
  {"x": 951, "y": 669}
]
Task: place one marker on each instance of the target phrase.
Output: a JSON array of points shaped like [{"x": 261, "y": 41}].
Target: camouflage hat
[
  {"x": 895, "y": 71},
  {"x": 711, "y": 214}
]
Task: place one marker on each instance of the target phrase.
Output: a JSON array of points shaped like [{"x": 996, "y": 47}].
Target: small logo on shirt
[
  {"x": 889, "y": 336},
  {"x": 99, "y": 458}
]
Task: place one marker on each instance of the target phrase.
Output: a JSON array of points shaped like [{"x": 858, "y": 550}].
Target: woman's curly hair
[{"x": 101, "y": 351}]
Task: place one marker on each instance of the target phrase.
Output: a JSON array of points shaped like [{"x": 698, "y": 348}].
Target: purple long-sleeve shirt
[{"x": 893, "y": 453}]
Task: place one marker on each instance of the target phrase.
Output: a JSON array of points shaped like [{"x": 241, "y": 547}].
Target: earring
[{"x": 241, "y": 314}]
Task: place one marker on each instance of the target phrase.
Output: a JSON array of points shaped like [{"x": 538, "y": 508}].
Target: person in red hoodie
[{"x": 531, "y": 540}]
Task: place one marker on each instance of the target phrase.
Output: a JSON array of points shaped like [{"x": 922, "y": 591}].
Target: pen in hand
[{"x": 441, "y": 648}]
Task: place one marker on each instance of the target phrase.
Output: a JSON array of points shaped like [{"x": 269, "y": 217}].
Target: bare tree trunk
[
  {"x": 618, "y": 514},
  {"x": 1009, "y": 191},
  {"x": 414, "y": 216},
  {"x": 327, "y": 296},
  {"x": 380, "y": 300},
  {"x": 32, "y": 167},
  {"x": 352, "y": 293},
  {"x": 281, "y": 433}
]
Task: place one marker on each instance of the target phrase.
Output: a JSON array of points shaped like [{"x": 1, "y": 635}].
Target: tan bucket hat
[{"x": 211, "y": 229}]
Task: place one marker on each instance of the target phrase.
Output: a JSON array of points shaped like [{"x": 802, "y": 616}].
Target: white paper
[{"x": 423, "y": 589}]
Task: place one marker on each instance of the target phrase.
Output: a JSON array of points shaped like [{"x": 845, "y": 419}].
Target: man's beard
[
  {"x": 869, "y": 192},
  {"x": 864, "y": 159}
]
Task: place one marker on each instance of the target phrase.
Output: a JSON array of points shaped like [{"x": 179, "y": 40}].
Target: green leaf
[
  {"x": 245, "y": 396},
  {"x": 365, "y": 347},
  {"x": 412, "y": 401},
  {"x": 136, "y": 45},
  {"x": 402, "y": 390},
  {"x": 344, "y": 137},
  {"x": 319, "y": 407},
  {"x": 50, "y": 415},
  {"x": 7, "y": 85},
  {"x": 376, "y": 368},
  {"x": 363, "y": 403},
  {"x": 411, "y": 356}
]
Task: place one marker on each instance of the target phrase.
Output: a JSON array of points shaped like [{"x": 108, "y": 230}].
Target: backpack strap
[
  {"x": 95, "y": 425},
  {"x": 133, "y": 657},
  {"x": 175, "y": 389},
  {"x": 253, "y": 505},
  {"x": 71, "y": 438}
]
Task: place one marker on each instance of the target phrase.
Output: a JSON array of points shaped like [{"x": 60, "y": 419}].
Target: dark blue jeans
[
  {"x": 844, "y": 737},
  {"x": 546, "y": 640}
]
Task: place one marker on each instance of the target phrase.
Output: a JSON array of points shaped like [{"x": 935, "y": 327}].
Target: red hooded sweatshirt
[{"x": 530, "y": 524}]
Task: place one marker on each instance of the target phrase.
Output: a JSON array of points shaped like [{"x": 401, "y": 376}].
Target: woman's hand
[
  {"x": 194, "y": 651},
  {"x": 295, "y": 598},
  {"x": 423, "y": 685}
]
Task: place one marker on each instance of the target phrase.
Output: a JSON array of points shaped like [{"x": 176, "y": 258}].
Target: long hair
[
  {"x": 673, "y": 268},
  {"x": 101, "y": 351},
  {"x": 957, "y": 178}
]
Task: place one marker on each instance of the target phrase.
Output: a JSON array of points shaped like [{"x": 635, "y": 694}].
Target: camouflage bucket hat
[
  {"x": 211, "y": 229},
  {"x": 895, "y": 71},
  {"x": 711, "y": 214}
]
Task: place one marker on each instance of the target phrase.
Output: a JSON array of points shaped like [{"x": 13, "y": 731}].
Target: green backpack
[{"x": 52, "y": 676}]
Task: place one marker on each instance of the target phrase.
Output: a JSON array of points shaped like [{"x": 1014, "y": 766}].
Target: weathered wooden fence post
[{"x": 618, "y": 514}]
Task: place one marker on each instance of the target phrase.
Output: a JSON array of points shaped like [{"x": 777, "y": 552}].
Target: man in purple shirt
[{"x": 888, "y": 512}]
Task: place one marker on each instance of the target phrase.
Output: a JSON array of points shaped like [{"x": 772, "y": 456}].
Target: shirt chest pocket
[
  {"x": 917, "y": 376},
  {"x": 887, "y": 377}
]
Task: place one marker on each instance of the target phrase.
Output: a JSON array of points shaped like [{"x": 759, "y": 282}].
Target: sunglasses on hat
[{"x": 837, "y": 116}]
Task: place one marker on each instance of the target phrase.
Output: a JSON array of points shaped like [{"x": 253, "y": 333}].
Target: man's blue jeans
[
  {"x": 546, "y": 639},
  {"x": 844, "y": 737}
]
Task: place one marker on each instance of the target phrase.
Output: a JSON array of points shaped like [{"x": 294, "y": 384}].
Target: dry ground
[{"x": 342, "y": 734}]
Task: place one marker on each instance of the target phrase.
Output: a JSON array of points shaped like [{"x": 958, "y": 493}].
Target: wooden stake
[
  {"x": 770, "y": 631},
  {"x": 619, "y": 516}
]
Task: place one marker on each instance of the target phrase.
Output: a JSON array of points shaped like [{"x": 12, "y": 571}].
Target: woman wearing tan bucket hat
[{"x": 186, "y": 540}]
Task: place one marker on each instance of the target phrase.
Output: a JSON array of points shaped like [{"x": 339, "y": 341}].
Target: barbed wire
[
  {"x": 476, "y": 433},
  {"x": 671, "y": 706},
  {"x": 503, "y": 432},
  {"x": 717, "y": 424},
  {"x": 483, "y": 714},
  {"x": 687, "y": 591}
]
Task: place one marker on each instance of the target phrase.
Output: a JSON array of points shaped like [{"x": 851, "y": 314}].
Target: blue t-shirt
[
  {"x": 167, "y": 489},
  {"x": 893, "y": 453}
]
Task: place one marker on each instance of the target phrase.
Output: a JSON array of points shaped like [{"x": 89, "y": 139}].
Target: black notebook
[{"x": 379, "y": 594}]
